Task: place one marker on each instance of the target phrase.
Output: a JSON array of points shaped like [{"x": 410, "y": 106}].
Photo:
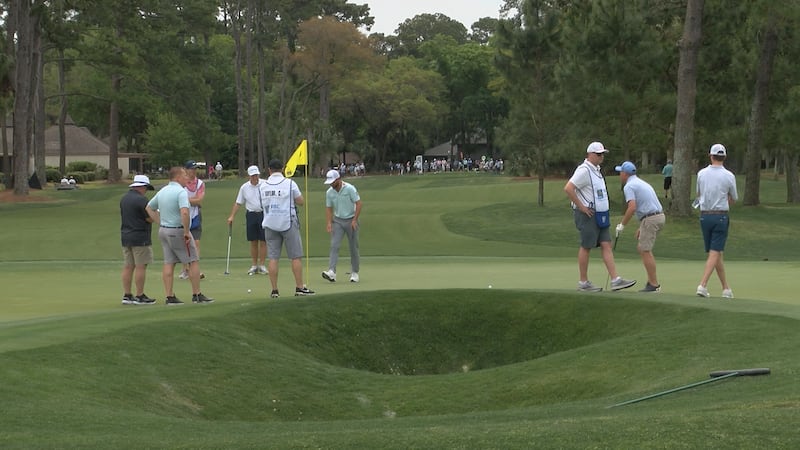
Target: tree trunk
[
  {"x": 248, "y": 79},
  {"x": 39, "y": 119},
  {"x": 262, "y": 119},
  {"x": 792, "y": 181},
  {"x": 684, "y": 117},
  {"x": 113, "y": 120},
  {"x": 758, "y": 112},
  {"x": 8, "y": 50},
  {"x": 113, "y": 130},
  {"x": 62, "y": 115},
  {"x": 24, "y": 80},
  {"x": 237, "y": 75},
  {"x": 6, "y": 157}
]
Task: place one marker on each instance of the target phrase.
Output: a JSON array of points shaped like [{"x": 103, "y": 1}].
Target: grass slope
[{"x": 551, "y": 364}]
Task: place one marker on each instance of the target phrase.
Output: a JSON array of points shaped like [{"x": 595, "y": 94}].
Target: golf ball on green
[{"x": 249, "y": 291}]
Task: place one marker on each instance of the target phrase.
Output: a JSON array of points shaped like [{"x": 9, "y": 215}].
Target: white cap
[
  {"x": 718, "y": 149},
  {"x": 141, "y": 180},
  {"x": 332, "y": 176},
  {"x": 596, "y": 147},
  {"x": 253, "y": 170}
]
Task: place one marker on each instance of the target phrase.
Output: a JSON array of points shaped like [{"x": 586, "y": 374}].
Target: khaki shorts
[
  {"x": 648, "y": 230},
  {"x": 137, "y": 256}
]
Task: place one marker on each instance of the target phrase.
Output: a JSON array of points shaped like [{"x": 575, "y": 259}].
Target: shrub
[
  {"x": 81, "y": 166},
  {"x": 80, "y": 177},
  {"x": 53, "y": 175},
  {"x": 101, "y": 173}
]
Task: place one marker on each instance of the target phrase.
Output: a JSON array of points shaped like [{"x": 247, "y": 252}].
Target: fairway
[{"x": 465, "y": 332}]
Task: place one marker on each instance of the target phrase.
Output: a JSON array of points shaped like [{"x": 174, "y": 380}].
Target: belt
[
  {"x": 651, "y": 215},
  {"x": 254, "y": 211},
  {"x": 164, "y": 226},
  {"x": 715, "y": 211}
]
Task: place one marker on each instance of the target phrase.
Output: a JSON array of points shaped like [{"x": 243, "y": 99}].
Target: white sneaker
[
  {"x": 727, "y": 293},
  {"x": 253, "y": 270},
  {"x": 354, "y": 277},
  {"x": 587, "y": 286},
  {"x": 702, "y": 291},
  {"x": 184, "y": 275},
  {"x": 329, "y": 275},
  {"x": 263, "y": 270},
  {"x": 621, "y": 283}
]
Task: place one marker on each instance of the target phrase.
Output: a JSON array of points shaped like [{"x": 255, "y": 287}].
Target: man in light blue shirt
[
  {"x": 342, "y": 208},
  {"x": 642, "y": 201},
  {"x": 170, "y": 208}
]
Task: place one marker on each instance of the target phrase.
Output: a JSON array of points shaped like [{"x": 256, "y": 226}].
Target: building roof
[
  {"x": 79, "y": 141},
  {"x": 444, "y": 149}
]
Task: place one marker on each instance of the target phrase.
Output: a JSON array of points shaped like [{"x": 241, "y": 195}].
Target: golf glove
[{"x": 620, "y": 227}]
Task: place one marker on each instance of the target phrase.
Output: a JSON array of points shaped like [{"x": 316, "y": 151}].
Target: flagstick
[{"x": 305, "y": 205}]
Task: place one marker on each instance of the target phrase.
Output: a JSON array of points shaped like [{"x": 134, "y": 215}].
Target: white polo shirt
[{"x": 249, "y": 196}]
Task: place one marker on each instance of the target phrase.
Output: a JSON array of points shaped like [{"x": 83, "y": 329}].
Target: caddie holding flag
[{"x": 280, "y": 197}]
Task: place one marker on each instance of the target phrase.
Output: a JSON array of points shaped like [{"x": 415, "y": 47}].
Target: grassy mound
[
  {"x": 317, "y": 360},
  {"x": 448, "y": 331}
]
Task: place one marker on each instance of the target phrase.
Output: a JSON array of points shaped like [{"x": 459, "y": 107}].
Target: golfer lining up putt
[
  {"x": 642, "y": 201},
  {"x": 589, "y": 195}
]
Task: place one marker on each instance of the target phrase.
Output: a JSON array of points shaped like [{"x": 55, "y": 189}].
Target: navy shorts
[
  {"x": 715, "y": 230},
  {"x": 255, "y": 231}
]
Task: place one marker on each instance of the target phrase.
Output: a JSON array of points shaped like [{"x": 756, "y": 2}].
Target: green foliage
[
  {"x": 81, "y": 177},
  {"x": 401, "y": 104},
  {"x": 168, "y": 141},
  {"x": 81, "y": 166},
  {"x": 52, "y": 173},
  {"x": 424, "y": 27}
]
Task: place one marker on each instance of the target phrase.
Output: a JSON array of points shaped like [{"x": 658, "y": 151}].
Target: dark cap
[
  {"x": 275, "y": 164},
  {"x": 190, "y": 164}
]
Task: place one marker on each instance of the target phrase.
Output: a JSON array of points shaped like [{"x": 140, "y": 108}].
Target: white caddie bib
[{"x": 277, "y": 201}]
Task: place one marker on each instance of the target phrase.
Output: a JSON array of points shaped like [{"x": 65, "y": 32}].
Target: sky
[{"x": 389, "y": 14}]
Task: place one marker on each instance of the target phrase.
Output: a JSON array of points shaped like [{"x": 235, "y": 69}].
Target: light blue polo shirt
[
  {"x": 645, "y": 196},
  {"x": 343, "y": 202},
  {"x": 168, "y": 202}
]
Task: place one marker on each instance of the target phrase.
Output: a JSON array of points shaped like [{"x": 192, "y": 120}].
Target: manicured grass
[{"x": 420, "y": 354}]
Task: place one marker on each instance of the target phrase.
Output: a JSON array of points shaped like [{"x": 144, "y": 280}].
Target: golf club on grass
[
  {"x": 616, "y": 238},
  {"x": 715, "y": 376},
  {"x": 228, "y": 258}
]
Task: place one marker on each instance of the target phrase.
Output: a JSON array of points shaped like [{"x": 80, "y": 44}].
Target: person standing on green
[
  {"x": 716, "y": 192},
  {"x": 342, "y": 208},
  {"x": 667, "y": 172}
]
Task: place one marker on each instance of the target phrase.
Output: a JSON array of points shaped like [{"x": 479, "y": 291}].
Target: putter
[
  {"x": 608, "y": 276},
  {"x": 228, "y": 258}
]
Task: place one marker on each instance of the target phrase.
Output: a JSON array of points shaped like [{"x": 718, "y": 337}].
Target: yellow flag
[{"x": 299, "y": 157}]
